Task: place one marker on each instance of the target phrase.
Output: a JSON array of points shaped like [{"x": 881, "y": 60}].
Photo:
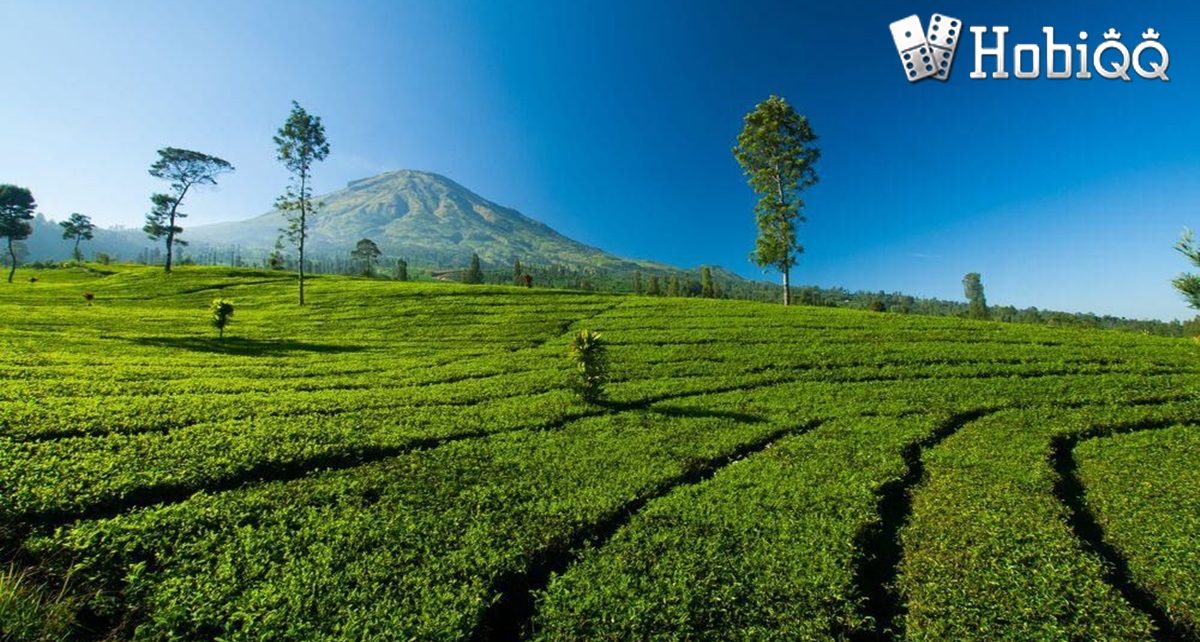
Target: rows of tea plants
[
  {"x": 764, "y": 550},
  {"x": 60, "y": 478},
  {"x": 1144, "y": 490},
  {"x": 401, "y": 460},
  {"x": 993, "y": 548},
  {"x": 418, "y": 543}
]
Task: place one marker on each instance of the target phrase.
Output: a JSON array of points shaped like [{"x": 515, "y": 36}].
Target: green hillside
[{"x": 407, "y": 461}]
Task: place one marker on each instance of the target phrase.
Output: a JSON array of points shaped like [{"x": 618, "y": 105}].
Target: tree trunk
[
  {"x": 303, "y": 229},
  {"x": 302, "y": 221},
  {"x": 12, "y": 256},
  {"x": 787, "y": 282},
  {"x": 170, "y": 242},
  {"x": 171, "y": 229}
]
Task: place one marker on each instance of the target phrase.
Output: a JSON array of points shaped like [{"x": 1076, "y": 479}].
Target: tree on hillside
[
  {"x": 1188, "y": 284},
  {"x": 518, "y": 273},
  {"x": 673, "y": 286},
  {"x": 776, "y": 151},
  {"x": 654, "y": 289},
  {"x": 707, "y": 290},
  {"x": 401, "y": 270},
  {"x": 221, "y": 311},
  {"x": 184, "y": 169},
  {"x": 637, "y": 281},
  {"x": 77, "y": 227},
  {"x": 366, "y": 252},
  {"x": 299, "y": 143},
  {"x": 976, "y": 301},
  {"x": 275, "y": 259},
  {"x": 474, "y": 274},
  {"x": 16, "y": 211}
]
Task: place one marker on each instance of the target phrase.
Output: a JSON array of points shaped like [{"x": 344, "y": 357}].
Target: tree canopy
[
  {"x": 16, "y": 212},
  {"x": 78, "y": 227},
  {"x": 1188, "y": 284},
  {"x": 707, "y": 289},
  {"x": 977, "y": 307},
  {"x": 367, "y": 252},
  {"x": 474, "y": 273}
]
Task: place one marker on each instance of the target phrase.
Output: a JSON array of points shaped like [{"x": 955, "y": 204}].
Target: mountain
[{"x": 427, "y": 219}]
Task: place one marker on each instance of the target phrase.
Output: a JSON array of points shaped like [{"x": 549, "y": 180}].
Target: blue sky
[{"x": 612, "y": 121}]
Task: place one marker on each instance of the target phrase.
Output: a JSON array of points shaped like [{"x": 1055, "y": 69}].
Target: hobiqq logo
[{"x": 930, "y": 54}]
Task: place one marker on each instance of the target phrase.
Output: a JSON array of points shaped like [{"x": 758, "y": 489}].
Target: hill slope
[
  {"x": 425, "y": 218},
  {"x": 406, "y": 461}
]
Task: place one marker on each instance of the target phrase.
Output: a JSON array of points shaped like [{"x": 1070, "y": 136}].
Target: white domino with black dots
[
  {"x": 942, "y": 37},
  {"x": 915, "y": 53}
]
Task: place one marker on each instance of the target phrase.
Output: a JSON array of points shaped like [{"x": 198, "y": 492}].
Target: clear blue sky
[{"x": 612, "y": 121}]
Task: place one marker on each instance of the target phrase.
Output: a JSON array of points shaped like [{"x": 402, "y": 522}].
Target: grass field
[{"x": 407, "y": 461}]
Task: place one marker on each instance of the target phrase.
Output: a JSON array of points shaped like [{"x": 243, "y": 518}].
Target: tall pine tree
[
  {"x": 776, "y": 149},
  {"x": 976, "y": 302},
  {"x": 299, "y": 143},
  {"x": 474, "y": 273}
]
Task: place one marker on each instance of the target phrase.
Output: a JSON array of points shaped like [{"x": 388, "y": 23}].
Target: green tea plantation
[{"x": 410, "y": 461}]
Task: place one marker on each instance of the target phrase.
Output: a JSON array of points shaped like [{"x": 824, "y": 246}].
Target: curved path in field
[
  {"x": 999, "y": 525},
  {"x": 1087, "y": 528}
]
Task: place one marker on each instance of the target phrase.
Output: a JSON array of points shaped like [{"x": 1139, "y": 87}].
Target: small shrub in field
[
  {"x": 222, "y": 312},
  {"x": 89, "y": 297},
  {"x": 590, "y": 357}
]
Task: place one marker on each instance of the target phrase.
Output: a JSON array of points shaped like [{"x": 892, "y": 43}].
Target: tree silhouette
[
  {"x": 299, "y": 143},
  {"x": 977, "y": 307},
  {"x": 366, "y": 252},
  {"x": 185, "y": 169},
  {"x": 77, "y": 227},
  {"x": 16, "y": 211},
  {"x": 474, "y": 274}
]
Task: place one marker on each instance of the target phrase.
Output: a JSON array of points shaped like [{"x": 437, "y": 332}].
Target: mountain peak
[
  {"x": 427, "y": 218},
  {"x": 398, "y": 176}
]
